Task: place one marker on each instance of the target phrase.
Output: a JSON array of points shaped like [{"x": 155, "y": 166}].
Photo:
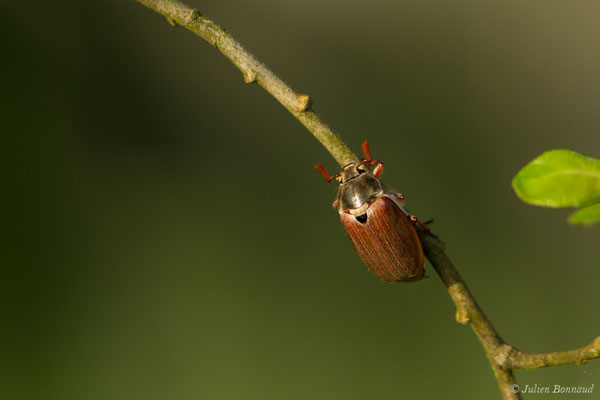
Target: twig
[
  {"x": 503, "y": 357},
  {"x": 468, "y": 311},
  {"x": 299, "y": 105},
  {"x": 520, "y": 360}
]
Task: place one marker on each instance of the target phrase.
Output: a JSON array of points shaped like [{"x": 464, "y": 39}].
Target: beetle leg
[
  {"x": 369, "y": 159},
  {"x": 426, "y": 228},
  {"x": 378, "y": 169},
  {"x": 423, "y": 225},
  {"x": 325, "y": 174},
  {"x": 400, "y": 196},
  {"x": 335, "y": 203}
]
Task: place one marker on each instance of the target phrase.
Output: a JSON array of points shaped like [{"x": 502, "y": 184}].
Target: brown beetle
[{"x": 380, "y": 230}]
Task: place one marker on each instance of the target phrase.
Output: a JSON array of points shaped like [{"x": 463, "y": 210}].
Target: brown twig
[{"x": 503, "y": 357}]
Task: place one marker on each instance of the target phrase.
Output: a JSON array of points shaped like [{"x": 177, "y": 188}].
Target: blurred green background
[{"x": 168, "y": 238}]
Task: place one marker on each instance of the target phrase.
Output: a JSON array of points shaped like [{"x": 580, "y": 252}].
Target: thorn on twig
[
  {"x": 195, "y": 15},
  {"x": 303, "y": 102},
  {"x": 596, "y": 344},
  {"x": 249, "y": 76},
  {"x": 462, "y": 317},
  {"x": 172, "y": 22}
]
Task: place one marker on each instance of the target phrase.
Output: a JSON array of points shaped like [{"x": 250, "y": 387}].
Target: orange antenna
[
  {"x": 325, "y": 174},
  {"x": 366, "y": 151}
]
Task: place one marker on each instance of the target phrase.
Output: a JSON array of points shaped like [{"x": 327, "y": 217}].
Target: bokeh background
[{"x": 168, "y": 238}]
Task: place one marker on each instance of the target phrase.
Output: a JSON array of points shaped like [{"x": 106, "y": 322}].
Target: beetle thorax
[{"x": 358, "y": 187}]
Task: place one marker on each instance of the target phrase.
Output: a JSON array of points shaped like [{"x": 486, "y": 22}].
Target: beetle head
[{"x": 352, "y": 171}]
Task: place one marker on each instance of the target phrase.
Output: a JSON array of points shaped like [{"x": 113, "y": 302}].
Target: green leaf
[
  {"x": 589, "y": 215},
  {"x": 559, "y": 178}
]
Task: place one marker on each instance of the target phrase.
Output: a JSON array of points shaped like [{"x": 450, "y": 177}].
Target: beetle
[{"x": 381, "y": 231}]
